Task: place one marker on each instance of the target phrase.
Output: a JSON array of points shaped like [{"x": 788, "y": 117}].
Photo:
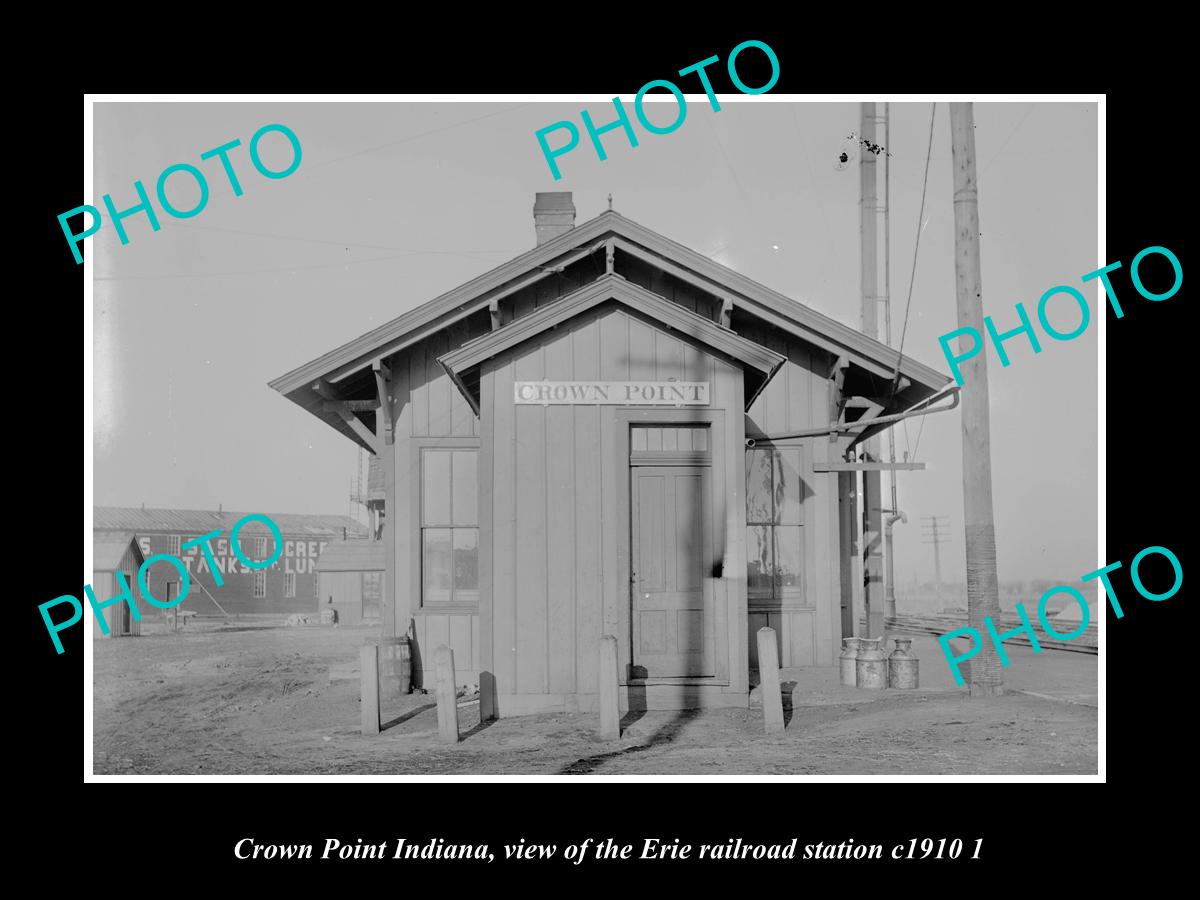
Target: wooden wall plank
[
  {"x": 460, "y": 641},
  {"x": 482, "y": 649},
  {"x": 561, "y": 510},
  {"x": 479, "y": 325},
  {"x": 530, "y": 557},
  {"x": 422, "y": 654},
  {"x": 462, "y": 417},
  {"x": 437, "y": 634},
  {"x": 668, "y": 357},
  {"x": 641, "y": 350},
  {"x": 823, "y": 533},
  {"x": 777, "y": 408},
  {"x": 419, "y": 391},
  {"x": 614, "y": 366},
  {"x": 440, "y": 388},
  {"x": 398, "y": 524},
  {"x": 755, "y": 621},
  {"x": 589, "y": 530},
  {"x": 504, "y": 547}
]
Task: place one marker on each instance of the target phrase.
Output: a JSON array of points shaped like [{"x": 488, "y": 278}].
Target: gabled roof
[
  {"x": 201, "y": 521},
  {"x": 747, "y": 296},
  {"x": 759, "y": 362},
  {"x": 108, "y": 550}
]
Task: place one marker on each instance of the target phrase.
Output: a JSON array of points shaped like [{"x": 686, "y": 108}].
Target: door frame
[{"x": 723, "y": 493}]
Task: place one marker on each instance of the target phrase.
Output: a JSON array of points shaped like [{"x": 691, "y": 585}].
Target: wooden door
[{"x": 672, "y": 556}]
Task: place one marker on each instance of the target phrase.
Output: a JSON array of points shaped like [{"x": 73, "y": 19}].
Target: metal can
[
  {"x": 871, "y": 665},
  {"x": 849, "y": 659},
  {"x": 902, "y": 666}
]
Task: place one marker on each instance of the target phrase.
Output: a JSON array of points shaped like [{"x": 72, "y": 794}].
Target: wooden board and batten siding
[
  {"x": 798, "y": 595},
  {"x": 112, "y": 553},
  {"x": 555, "y": 485},
  {"x": 431, "y": 413}
]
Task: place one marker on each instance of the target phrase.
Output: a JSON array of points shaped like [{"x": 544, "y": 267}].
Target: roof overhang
[
  {"x": 758, "y": 363},
  {"x": 348, "y": 367}
]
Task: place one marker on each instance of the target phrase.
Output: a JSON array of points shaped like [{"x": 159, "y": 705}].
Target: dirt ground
[{"x": 258, "y": 700}]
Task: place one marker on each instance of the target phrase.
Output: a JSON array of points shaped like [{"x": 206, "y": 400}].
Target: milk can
[
  {"x": 849, "y": 659},
  {"x": 871, "y": 665},
  {"x": 902, "y": 666}
]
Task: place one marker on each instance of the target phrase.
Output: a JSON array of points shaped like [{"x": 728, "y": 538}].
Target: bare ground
[{"x": 259, "y": 701}]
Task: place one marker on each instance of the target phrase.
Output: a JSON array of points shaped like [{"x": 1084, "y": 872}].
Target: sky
[{"x": 395, "y": 203}]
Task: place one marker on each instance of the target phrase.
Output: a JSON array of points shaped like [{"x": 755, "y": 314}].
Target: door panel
[{"x": 673, "y": 615}]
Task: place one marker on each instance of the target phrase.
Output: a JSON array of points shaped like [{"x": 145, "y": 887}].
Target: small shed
[
  {"x": 351, "y": 579},
  {"x": 115, "y": 552}
]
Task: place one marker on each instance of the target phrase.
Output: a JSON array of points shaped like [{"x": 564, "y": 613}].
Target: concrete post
[
  {"x": 768, "y": 674},
  {"x": 610, "y": 708},
  {"x": 369, "y": 691},
  {"x": 447, "y": 694}
]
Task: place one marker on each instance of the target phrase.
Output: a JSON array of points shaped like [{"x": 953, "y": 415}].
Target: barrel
[{"x": 395, "y": 665}]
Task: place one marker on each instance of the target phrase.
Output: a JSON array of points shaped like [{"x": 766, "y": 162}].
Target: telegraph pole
[
  {"x": 979, "y": 530},
  {"x": 935, "y": 533},
  {"x": 872, "y": 505}
]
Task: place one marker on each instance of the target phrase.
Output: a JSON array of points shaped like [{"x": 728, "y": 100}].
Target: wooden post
[
  {"x": 850, "y": 558},
  {"x": 369, "y": 691},
  {"x": 768, "y": 680},
  {"x": 610, "y": 709},
  {"x": 983, "y": 596},
  {"x": 447, "y": 694}
]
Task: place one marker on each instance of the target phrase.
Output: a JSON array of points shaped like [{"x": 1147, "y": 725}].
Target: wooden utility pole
[
  {"x": 934, "y": 534},
  {"x": 871, "y": 496},
  {"x": 979, "y": 531}
]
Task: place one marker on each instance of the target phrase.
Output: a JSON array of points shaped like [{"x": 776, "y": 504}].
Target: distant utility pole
[
  {"x": 936, "y": 533},
  {"x": 979, "y": 530}
]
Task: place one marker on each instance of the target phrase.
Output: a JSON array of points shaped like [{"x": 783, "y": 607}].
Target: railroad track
[{"x": 1086, "y": 643}]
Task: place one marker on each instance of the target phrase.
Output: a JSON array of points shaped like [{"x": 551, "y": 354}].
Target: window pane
[
  {"x": 760, "y": 560},
  {"x": 436, "y": 566},
  {"x": 466, "y": 565},
  {"x": 758, "y": 485},
  {"x": 788, "y": 486},
  {"x": 466, "y": 492},
  {"x": 787, "y": 560},
  {"x": 435, "y": 465}
]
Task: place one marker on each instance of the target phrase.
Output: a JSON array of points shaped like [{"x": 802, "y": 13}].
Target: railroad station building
[{"x": 613, "y": 434}]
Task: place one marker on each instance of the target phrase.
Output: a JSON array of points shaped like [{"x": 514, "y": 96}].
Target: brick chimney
[{"x": 553, "y": 214}]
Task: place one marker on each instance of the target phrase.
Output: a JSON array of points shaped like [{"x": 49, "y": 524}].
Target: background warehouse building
[
  {"x": 563, "y": 443},
  {"x": 288, "y": 586}
]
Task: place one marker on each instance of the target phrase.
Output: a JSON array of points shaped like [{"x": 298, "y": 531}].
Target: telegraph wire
[
  {"x": 346, "y": 244},
  {"x": 916, "y": 249}
]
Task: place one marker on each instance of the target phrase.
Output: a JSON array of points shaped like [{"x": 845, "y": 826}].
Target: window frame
[
  {"x": 254, "y": 594},
  {"x": 417, "y": 528},
  {"x": 175, "y": 545},
  {"x": 780, "y": 597},
  {"x": 289, "y": 584}
]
